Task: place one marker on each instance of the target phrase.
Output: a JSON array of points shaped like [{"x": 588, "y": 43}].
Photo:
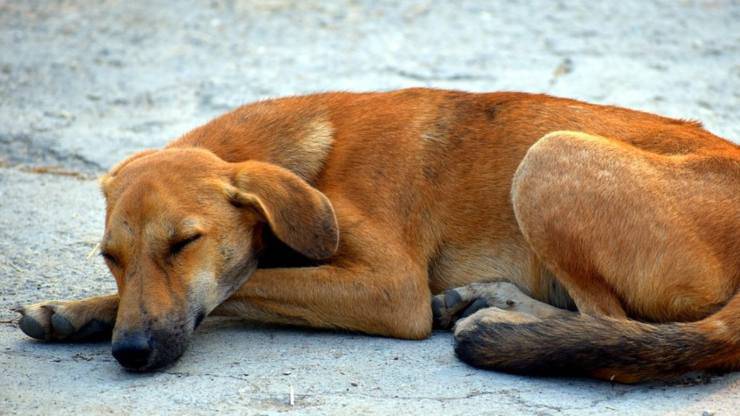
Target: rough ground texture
[{"x": 83, "y": 84}]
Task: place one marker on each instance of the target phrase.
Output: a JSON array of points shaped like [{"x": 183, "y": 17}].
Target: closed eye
[{"x": 177, "y": 247}]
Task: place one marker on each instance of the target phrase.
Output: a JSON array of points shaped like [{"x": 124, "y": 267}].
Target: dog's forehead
[
  {"x": 169, "y": 199},
  {"x": 136, "y": 204},
  {"x": 166, "y": 163},
  {"x": 166, "y": 166},
  {"x": 171, "y": 170}
]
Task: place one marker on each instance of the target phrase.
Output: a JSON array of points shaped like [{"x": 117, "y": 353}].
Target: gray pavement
[{"x": 83, "y": 84}]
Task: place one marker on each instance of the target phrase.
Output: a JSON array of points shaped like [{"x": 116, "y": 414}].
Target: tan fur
[{"x": 384, "y": 199}]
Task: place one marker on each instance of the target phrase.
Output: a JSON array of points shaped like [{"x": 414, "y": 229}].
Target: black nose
[{"x": 133, "y": 350}]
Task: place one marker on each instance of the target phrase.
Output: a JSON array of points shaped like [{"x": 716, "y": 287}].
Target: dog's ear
[
  {"x": 300, "y": 215},
  {"x": 107, "y": 178}
]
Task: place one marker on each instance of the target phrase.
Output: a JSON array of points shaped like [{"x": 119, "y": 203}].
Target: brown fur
[{"x": 634, "y": 215}]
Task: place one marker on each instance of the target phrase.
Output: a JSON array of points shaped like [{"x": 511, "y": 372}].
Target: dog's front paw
[{"x": 63, "y": 321}]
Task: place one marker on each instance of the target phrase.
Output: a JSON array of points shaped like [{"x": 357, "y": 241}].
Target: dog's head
[{"x": 182, "y": 234}]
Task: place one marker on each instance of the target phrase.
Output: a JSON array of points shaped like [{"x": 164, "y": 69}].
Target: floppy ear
[{"x": 300, "y": 215}]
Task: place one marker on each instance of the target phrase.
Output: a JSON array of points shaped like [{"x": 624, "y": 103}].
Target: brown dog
[{"x": 347, "y": 210}]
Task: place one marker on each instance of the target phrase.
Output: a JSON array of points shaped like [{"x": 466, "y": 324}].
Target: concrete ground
[{"x": 83, "y": 84}]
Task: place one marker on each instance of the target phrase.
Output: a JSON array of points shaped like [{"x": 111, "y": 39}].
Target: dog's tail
[{"x": 612, "y": 349}]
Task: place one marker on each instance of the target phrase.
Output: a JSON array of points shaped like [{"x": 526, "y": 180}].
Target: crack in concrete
[
  {"x": 76, "y": 357},
  {"x": 21, "y": 149},
  {"x": 49, "y": 170},
  {"x": 188, "y": 374},
  {"x": 513, "y": 397},
  {"x": 512, "y": 394},
  {"x": 437, "y": 77}
]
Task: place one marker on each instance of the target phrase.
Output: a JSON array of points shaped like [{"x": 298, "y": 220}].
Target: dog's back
[{"x": 436, "y": 166}]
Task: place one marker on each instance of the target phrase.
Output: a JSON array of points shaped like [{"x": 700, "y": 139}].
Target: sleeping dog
[{"x": 561, "y": 237}]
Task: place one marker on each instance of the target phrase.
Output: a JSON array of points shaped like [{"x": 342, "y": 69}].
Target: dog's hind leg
[
  {"x": 82, "y": 320},
  {"x": 624, "y": 230},
  {"x": 631, "y": 232}
]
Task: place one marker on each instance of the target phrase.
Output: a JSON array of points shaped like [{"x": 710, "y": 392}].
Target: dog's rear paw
[
  {"x": 62, "y": 321},
  {"x": 461, "y": 302}
]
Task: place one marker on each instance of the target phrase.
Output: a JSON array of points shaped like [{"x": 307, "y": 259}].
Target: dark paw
[
  {"x": 33, "y": 328},
  {"x": 454, "y": 304},
  {"x": 461, "y": 302},
  {"x": 54, "y": 322}
]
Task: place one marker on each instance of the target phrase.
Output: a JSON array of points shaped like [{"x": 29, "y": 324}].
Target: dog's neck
[{"x": 299, "y": 140}]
